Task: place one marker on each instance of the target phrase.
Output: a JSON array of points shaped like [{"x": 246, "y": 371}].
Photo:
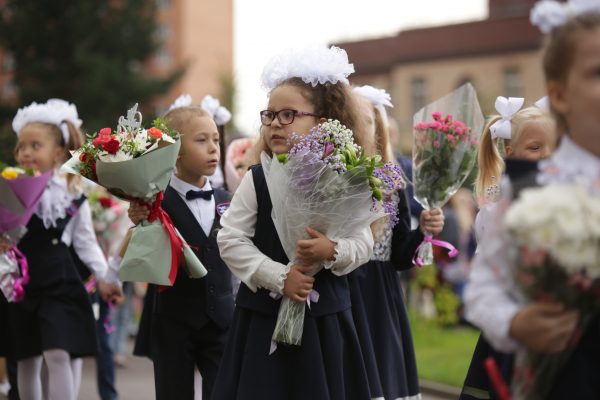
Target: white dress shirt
[
  {"x": 256, "y": 269},
  {"x": 491, "y": 298},
  {"x": 203, "y": 210}
]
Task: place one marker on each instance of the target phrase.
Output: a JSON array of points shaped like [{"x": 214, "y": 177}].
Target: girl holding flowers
[
  {"x": 571, "y": 62},
  {"x": 377, "y": 301},
  {"x": 306, "y": 87},
  {"x": 55, "y": 323}
]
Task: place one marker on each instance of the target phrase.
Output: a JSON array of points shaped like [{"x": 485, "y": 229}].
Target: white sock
[
  {"x": 60, "y": 377},
  {"x": 29, "y": 378}
]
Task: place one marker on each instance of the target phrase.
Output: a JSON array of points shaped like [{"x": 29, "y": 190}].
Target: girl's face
[
  {"x": 536, "y": 142},
  {"x": 287, "y": 97},
  {"x": 38, "y": 149},
  {"x": 578, "y": 97},
  {"x": 199, "y": 154}
]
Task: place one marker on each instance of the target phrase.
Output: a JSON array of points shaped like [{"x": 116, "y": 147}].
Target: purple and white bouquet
[{"x": 326, "y": 183}]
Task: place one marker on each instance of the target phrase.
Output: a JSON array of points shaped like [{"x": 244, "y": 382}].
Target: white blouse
[
  {"x": 490, "y": 297},
  {"x": 256, "y": 269}
]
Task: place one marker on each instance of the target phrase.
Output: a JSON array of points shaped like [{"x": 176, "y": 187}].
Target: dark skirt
[
  {"x": 143, "y": 343},
  {"x": 56, "y": 312},
  {"x": 4, "y": 332},
  {"x": 477, "y": 384},
  {"x": 384, "y": 331},
  {"x": 56, "y": 318},
  {"x": 328, "y": 365}
]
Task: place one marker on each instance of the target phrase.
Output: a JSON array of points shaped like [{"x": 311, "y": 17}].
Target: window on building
[
  {"x": 9, "y": 90},
  {"x": 513, "y": 85},
  {"x": 8, "y": 62},
  {"x": 418, "y": 92},
  {"x": 163, "y": 57},
  {"x": 162, "y": 4},
  {"x": 163, "y": 33}
]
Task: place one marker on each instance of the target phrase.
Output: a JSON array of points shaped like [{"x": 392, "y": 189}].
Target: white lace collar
[
  {"x": 55, "y": 201},
  {"x": 571, "y": 164}
]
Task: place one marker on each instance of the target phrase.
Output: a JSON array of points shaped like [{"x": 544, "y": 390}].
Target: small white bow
[
  {"x": 550, "y": 14},
  {"x": 507, "y": 108}
]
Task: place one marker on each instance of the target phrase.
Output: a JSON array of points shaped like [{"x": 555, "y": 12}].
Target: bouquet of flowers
[
  {"x": 444, "y": 153},
  {"x": 325, "y": 182},
  {"x": 136, "y": 164},
  {"x": 555, "y": 235},
  {"x": 20, "y": 193},
  {"x": 109, "y": 215}
]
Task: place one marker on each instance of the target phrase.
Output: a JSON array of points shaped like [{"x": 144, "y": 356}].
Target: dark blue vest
[
  {"x": 333, "y": 290},
  {"x": 209, "y": 298}
]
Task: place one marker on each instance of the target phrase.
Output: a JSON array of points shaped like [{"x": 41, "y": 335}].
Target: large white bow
[
  {"x": 506, "y": 108},
  {"x": 549, "y": 14},
  {"x": 220, "y": 114}
]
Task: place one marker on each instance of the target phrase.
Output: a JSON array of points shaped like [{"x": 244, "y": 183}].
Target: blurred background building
[{"x": 500, "y": 55}]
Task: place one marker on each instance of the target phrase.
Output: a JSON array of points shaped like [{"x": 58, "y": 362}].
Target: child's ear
[
  {"x": 556, "y": 95},
  {"x": 509, "y": 151},
  {"x": 322, "y": 120}
]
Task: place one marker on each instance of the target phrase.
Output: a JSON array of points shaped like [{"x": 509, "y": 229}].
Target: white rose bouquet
[{"x": 556, "y": 232}]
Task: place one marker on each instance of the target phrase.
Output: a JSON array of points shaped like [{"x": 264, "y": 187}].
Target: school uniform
[
  {"x": 379, "y": 312},
  {"x": 328, "y": 364},
  {"x": 491, "y": 297},
  {"x": 56, "y": 312},
  {"x": 186, "y": 325}
]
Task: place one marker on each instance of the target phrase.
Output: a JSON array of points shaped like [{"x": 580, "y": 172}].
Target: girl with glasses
[{"x": 328, "y": 364}]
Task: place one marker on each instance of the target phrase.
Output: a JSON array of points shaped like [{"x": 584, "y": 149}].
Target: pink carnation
[
  {"x": 451, "y": 137},
  {"x": 436, "y": 115},
  {"x": 436, "y": 144}
]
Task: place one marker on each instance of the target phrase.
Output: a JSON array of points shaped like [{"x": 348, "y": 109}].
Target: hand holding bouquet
[
  {"x": 326, "y": 183},
  {"x": 444, "y": 153},
  {"x": 136, "y": 164},
  {"x": 555, "y": 232},
  {"x": 20, "y": 193}
]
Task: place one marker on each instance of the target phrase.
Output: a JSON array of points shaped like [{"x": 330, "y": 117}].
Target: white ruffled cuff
[
  {"x": 341, "y": 256},
  {"x": 270, "y": 275}
]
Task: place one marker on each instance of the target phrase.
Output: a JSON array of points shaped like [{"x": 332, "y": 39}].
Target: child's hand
[
  {"x": 297, "y": 286},
  {"x": 137, "y": 212},
  {"x": 109, "y": 291},
  {"x": 544, "y": 327},
  {"x": 315, "y": 250},
  {"x": 431, "y": 221}
]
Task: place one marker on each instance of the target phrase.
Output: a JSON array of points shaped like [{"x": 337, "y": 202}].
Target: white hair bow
[
  {"x": 543, "y": 104},
  {"x": 184, "y": 100},
  {"x": 550, "y": 14},
  {"x": 54, "y": 111},
  {"x": 220, "y": 114},
  {"x": 507, "y": 108}
]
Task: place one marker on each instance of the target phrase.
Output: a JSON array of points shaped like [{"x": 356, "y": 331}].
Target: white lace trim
[
  {"x": 55, "y": 201},
  {"x": 340, "y": 256},
  {"x": 271, "y": 276}
]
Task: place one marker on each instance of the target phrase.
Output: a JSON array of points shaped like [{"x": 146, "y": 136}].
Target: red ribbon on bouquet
[
  {"x": 156, "y": 212},
  {"x": 429, "y": 239}
]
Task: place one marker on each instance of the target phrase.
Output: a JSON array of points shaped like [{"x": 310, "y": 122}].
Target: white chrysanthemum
[
  {"x": 560, "y": 219},
  {"x": 314, "y": 65},
  {"x": 119, "y": 156}
]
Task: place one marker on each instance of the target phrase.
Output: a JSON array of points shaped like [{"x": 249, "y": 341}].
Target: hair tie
[
  {"x": 507, "y": 108},
  {"x": 550, "y": 14}
]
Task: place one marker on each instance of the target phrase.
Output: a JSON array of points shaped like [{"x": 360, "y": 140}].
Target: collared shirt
[{"x": 203, "y": 210}]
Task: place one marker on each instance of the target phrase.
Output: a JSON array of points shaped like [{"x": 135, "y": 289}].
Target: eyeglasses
[{"x": 285, "y": 116}]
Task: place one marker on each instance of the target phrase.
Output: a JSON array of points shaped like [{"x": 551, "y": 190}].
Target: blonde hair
[{"x": 491, "y": 155}]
